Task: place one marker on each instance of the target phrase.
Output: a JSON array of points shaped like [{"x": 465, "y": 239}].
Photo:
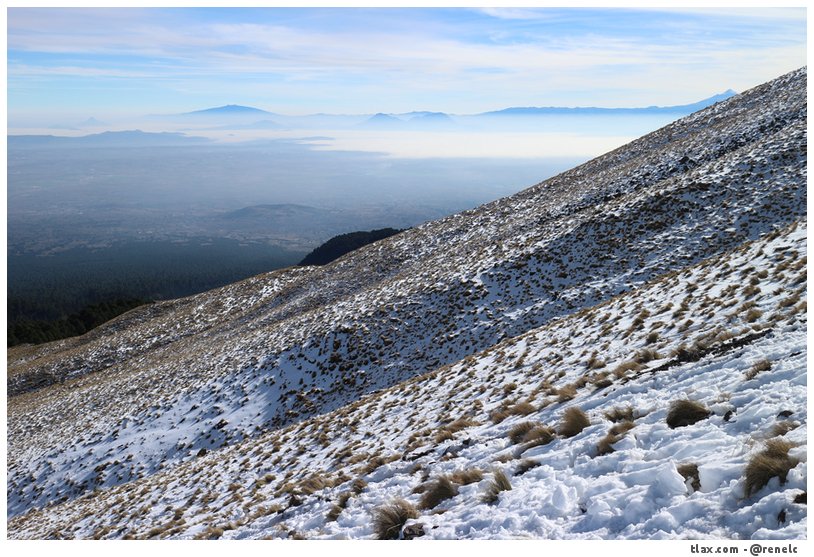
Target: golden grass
[
  {"x": 389, "y": 519},
  {"x": 772, "y": 461},
  {"x": 437, "y": 491},
  {"x": 574, "y": 420},
  {"x": 614, "y": 435},
  {"x": 686, "y": 412},
  {"x": 498, "y": 484}
]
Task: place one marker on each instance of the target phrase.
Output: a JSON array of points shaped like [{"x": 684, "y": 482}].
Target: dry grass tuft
[
  {"x": 390, "y": 519},
  {"x": 622, "y": 369},
  {"x": 574, "y": 420},
  {"x": 525, "y": 465},
  {"x": 646, "y": 355},
  {"x": 686, "y": 412},
  {"x": 521, "y": 409},
  {"x": 774, "y": 460},
  {"x": 443, "y": 435},
  {"x": 313, "y": 484},
  {"x": 689, "y": 471},
  {"x": 461, "y": 423},
  {"x": 757, "y": 367},
  {"x": 614, "y": 435},
  {"x": 498, "y": 415},
  {"x": 538, "y": 435},
  {"x": 498, "y": 484},
  {"x": 783, "y": 427},
  {"x": 518, "y": 432},
  {"x": 566, "y": 393},
  {"x": 686, "y": 353},
  {"x": 438, "y": 490},
  {"x": 372, "y": 465},
  {"x": 466, "y": 477},
  {"x": 753, "y": 315},
  {"x": 340, "y": 505},
  {"x": 358, "y": 486},
  {"x": 620, "y": 414}
]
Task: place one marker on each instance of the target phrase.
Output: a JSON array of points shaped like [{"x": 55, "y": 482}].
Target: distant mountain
[
  {"x": 702, "y": 104},
  {"x": 431, "y": 117},
  {"x": 338, "y": 246},
  {"x": 381, "y": 120},
  {"x": 416, "y": 114},
  {"x": 272, "y": 211},
  {"x": 91, "y": 123},
  {"x": 409, "y": 121},
  {"x": 592, "y": 110},
  {"x": 228, "y": 110},
  {"x": 114, "y": 138},
  {"x": 430, "y": 120}
]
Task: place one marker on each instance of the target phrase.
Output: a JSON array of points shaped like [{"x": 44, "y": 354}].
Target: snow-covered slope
[
  {"x": 728, "y": 334},
  {"x": 206, "y": 385}
]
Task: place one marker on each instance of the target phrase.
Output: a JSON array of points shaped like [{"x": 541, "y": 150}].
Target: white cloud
[
  {"x": 513, "y": 13},
  {"x": 377, "y": 63}
]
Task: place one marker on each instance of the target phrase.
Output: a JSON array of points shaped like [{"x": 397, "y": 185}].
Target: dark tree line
[
  {"x": 69, "y": 293},
  {"x": 24, "y": 330},
  {"x": 338, "y": 246}
]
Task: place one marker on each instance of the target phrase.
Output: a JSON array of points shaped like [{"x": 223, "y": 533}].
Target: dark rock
[{"x": 412, "y": 531}]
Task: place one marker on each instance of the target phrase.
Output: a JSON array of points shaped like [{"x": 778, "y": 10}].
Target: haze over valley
[
  {"x": 153, "y": 216},
  {"x": 213, "y": 196}
]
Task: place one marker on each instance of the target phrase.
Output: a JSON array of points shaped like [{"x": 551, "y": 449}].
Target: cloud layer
[{"x": 389, "y": 60}]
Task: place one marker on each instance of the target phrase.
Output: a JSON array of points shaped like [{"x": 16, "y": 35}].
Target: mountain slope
[
  {"x": 738, "y": 351},
  {"x": 158, "y": 386}
]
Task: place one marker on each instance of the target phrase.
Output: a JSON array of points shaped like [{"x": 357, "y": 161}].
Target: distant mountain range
[
  {"x": 381, "y": 117},
  {"x": 388, "y": 119},
  {"x": 588, "y": 110},
  {"x": 413, "y": 120},
  {"x": 237, "y": 117}
]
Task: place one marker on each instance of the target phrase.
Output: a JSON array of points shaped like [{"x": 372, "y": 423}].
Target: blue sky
[{"x": 75, "y": 63}]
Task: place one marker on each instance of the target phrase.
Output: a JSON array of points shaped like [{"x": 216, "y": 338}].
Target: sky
[{"x": 111, "y": 62}]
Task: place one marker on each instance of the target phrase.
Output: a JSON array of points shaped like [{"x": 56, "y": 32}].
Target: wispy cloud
[
  {"x": 395, "y": 60},
  {"x": 514, "y": 13}
]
